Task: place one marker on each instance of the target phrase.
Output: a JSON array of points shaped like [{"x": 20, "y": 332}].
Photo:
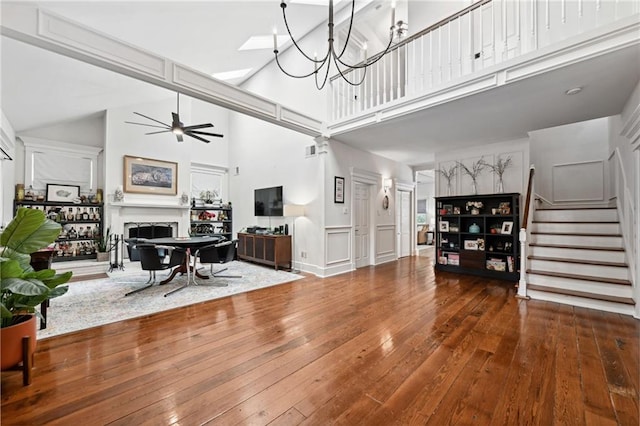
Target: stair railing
[{"x": 522, "y": 283}]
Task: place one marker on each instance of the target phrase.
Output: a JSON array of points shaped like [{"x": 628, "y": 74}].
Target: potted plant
[
  {"x": 104, "y": 246},
  {"x": 22, "y": 288}
]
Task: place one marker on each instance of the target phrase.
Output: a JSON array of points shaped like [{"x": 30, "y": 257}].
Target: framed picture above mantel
[{"x": 148, "y": 176}]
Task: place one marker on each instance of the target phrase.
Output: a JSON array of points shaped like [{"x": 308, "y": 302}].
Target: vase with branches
[
  {"x": 474, "y": 171},
  {"x": 499, "y": 168},
  {"x": 448, "y": 174}
]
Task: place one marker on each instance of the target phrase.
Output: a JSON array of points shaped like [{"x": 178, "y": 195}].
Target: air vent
[{"x": 310, "y": 151}]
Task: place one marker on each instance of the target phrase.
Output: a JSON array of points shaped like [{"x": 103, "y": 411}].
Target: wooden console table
[{"x": 266, "y": 249}]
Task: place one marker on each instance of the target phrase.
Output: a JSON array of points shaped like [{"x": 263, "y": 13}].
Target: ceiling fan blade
[
  {"x": 179, "y": 137},
  {"x": 176, "y": 119},
  {"x": 152, "y": 119},
  {"x": 161, "y": 131},
  {"x": 199, "y": 126},
  {"x": 205, "y": 133},
  {"x": 143, "y": 124},
  {"x": 196, "y": 137}
]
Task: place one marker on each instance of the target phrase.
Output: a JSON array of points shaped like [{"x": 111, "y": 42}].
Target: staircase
[{"x": 577, "y": 257}]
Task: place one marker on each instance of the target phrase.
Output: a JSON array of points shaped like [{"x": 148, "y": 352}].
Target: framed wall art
[
  {"x": 62, "y": 193},
  {"x": 147, "y": 176},
  {"x": 338, "y": 190}
]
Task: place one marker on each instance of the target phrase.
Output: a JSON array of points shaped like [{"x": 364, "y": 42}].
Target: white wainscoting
[
  {"x": 578, "y": 182},
  {"x": 385, "y": 243},
  {"x": 337, "y": 243}
]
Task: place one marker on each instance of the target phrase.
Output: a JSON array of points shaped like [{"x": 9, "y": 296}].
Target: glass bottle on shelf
[
  {"x": 70, "y": 215},
  {"x": 85, "y": 214}
]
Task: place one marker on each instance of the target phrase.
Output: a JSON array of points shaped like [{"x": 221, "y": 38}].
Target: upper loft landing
[{"x": 491, "y": 44}]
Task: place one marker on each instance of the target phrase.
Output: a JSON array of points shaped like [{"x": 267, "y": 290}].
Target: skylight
[
  {"x": 316, "y": 2},
  {"x": 230, "y": 75},
  {"x": 262, "y": 42}
]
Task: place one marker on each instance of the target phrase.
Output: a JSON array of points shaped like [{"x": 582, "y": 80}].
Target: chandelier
[{"x": 332, "y": 56}]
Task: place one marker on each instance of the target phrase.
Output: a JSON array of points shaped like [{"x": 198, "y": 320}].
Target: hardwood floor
[{"x": 393, "y": 344}]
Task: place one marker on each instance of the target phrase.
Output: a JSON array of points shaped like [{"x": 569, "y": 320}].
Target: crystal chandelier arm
[{"x": 283, "y": 5}]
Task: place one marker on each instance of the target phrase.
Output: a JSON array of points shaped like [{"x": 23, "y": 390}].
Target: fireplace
[
  {"x": 151, "y": 230},
  {"x": 142, "y": 220}
]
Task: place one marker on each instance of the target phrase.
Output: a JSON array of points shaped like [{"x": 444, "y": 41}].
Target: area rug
[{"x": 97, "y": 302}]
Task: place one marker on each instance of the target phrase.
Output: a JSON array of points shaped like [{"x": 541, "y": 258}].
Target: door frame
[
  {"x": 409, "y": 187},
  {"x": 374, "y": 181}
]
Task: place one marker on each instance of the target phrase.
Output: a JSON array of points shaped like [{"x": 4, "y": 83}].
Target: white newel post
[{"x": 522, "y": 284}]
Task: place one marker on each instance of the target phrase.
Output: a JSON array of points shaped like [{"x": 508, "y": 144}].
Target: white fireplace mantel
[
  {"x": 121, "y": 213},
  {"x": 151, "y": 206}
]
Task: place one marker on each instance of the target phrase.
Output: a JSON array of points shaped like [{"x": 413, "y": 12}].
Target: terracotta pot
[{"x": 11, "y": 337}]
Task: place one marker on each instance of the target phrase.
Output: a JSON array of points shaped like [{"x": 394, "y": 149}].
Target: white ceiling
[{"x": 41, "y": 88}]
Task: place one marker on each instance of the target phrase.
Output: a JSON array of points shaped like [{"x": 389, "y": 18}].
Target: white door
[
  {"x": 361, "y": 228},
  {"x": 404, "y": 224}
]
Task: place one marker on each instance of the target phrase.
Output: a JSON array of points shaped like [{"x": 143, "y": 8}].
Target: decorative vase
[
  {"x": 475, "y": 211},
  {"x": 474, "y": 229},
  {"x": 474, "y": 187},
  {"x": 118, "y": 196},
  {"x": 500, "y": 186},
  {"x": 449, "y": 191},
  {"x": 12, "y": 341}
]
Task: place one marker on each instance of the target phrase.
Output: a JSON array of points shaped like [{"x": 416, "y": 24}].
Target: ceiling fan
[{"x": 177, "y": 128}]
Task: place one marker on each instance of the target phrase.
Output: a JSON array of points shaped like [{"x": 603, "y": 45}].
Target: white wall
[
  {"x": 7, "y": 170},
  {"x": 624, "y": 146},
  {"x": 88, "y": 131},
  {"x": 266, "y": 155},
  {"x": 514, "y": 177},
  {"x": 571, "y": 162}
]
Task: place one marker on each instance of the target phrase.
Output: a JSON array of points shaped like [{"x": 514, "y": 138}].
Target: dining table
[{"x": 191, "y": 244}]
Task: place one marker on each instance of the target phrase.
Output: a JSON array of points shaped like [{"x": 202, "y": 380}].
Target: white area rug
[{"x": 97, "y": 302}]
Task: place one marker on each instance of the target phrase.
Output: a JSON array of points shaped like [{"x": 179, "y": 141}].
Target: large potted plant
[{"x": 22, "y": 288}]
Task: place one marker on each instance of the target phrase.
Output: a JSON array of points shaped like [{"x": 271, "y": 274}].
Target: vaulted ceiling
[{"x": 41, "y": 88}]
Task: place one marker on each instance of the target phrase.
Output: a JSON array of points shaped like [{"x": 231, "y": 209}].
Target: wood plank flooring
[{"x": 394, "y": 344}]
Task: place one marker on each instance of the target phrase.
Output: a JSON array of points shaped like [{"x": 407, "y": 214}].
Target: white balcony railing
[{"x": 483, "y": 35}]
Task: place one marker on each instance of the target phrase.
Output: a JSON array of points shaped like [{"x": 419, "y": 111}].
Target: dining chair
[
  {"x": 151, "y": 260},
  {"x": 217, "y": 254}
]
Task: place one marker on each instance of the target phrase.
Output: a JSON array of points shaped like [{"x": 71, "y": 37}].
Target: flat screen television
[{"x": 268, "y": 201}]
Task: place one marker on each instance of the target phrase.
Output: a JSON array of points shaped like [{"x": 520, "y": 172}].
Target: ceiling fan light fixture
[{"x": 177, "y": 127}]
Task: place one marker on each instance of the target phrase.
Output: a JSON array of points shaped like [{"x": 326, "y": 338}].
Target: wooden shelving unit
[
  {"x": 212, "y": 221},
  {"x": 78, "y": 236},
  {"x": 479, "y": 241}
]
